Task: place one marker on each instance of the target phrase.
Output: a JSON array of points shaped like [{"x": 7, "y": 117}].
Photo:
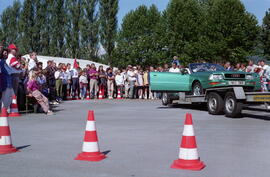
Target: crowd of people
[{"x": 55, "y": 83}]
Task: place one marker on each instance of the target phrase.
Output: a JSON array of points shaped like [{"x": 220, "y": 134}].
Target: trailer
[{"x": 225, "y": 100}]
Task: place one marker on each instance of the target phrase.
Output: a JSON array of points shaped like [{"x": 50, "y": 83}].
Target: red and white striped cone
[
  {"x": 4, "y": 112},
  {"x": 90, "y": 149},
  {"x": 100, "y": 95},
  {"x": 14, "y": 108},
  {"x": 88, "y": 97},
  {"x": 119, "y": 95},
  {"x": 188, "y": 155},
  {"x": 5, "y": 135},
  {"x": 69, "y": 97}
]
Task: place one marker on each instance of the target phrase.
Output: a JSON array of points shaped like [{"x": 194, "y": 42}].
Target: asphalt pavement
[{"x": 141, "y": 139}]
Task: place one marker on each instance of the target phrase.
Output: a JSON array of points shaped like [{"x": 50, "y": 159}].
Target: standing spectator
[
  {"x": 174, "y": 68},
  {"x": 83, "y": 84},
  {"x": 175, "y": 60},
  {"x": 32, "y": 87},
  {"x": 243, "y": 67},
  {"x": 50, "y": 80},
  {"x": 74, "y": 75},
  {"x": 251, "y": 67},
  {"x": 14, "y": 64},
  {"x": 166, "y": 68},
  {"x": 102, "y": 79},
  {"x": 93, "y": 75},
  {"x": 228, "y": 66},
  {"x": 59, "y": 76},
  {"x": 119, "y": 80},
  {"x": 110, "y": 83},
  {"x": 146, "y": 83},
  {"x": 237, "y": 67},
  {"x": 132, "y": 81},
  {"x": 65, "y": 82},
  {"x": 69, "y": 86},
  {"x": 140, "y": 84},
  {"x": 5, "y": 81},
  {"x": 32, "y": 64},
  {"x": 126, "y": 83}
]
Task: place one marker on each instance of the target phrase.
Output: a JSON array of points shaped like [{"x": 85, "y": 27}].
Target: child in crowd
[
  {"x": 41, "y": 79},
  {"x": 140, "y": 84},
  {"x": 33, "y": 89},
  {"x": 110, "y": 83},
  {"x": 83, "y": 84},
  {"x": 119, "y": 80}
]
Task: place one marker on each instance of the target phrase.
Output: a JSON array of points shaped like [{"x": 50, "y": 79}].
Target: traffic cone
[
  {"x": 90, "y": 149},
  {"x": 5, "y": 136},
  {"x": 119, "y": 95},
  {"x": 188, "y": 155},
  {"x": 100, "y": 95},
  {"x": 88, "y": 97},
  {"x": 4, "y": 112},
  {"x": 14, "y": 108}
]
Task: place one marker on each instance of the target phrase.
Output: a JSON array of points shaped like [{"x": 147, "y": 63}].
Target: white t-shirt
[
  {"x": 83, "y": 79},
  {"x": 32, "y": 64},
  {"x": 131, "y": 76},
  {"x": 140, "y": 80},
  {"x": 174, "y": 70},
  {"x": 119, "y": 79}
]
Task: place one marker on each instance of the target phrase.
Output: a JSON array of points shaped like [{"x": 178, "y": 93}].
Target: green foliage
[
  {"x": 90, "y": 30},
  {"x": 108, "y": 26},
  {"x": 9, "y": 23},
  {"x": 266, "y": 34}
]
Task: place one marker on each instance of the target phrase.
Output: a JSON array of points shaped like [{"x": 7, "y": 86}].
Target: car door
[{"x": 167, "y": 81}]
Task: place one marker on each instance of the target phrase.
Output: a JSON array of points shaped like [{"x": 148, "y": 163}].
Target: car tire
[
  {"x": 215, "y": 104},
  {"x": 197, "y": 89},
  {"x": 233, "y": 107},
  {"x": 165, "y": 99}
]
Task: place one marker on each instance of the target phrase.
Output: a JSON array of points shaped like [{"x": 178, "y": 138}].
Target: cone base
[
  {"x": 119, "y": 98},
  {"x": 8, "y": 150},
  {"x": 188, "y": 164},
  {"x": 14, "y": 115},
  {"x": 92, "y": 157}
]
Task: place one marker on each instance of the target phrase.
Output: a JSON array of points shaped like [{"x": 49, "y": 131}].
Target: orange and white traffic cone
[
  {"x": 88, "y": 97},
  {"x": 119, "y": 95},
  {"x": 90, "y": 149},
  {"x": 14, "y": 108},
  {"x": 100, "y": 95},
  {"x": 6, "y": 146},
  {"x": 188, "y": 155}
]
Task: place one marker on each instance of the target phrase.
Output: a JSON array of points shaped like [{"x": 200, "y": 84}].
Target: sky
[{"x": 256, "y": 7}]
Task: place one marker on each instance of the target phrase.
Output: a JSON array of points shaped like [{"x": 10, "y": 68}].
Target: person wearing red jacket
[{"x": 15, "y": 66}]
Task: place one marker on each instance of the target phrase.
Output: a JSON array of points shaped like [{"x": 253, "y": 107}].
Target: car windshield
[{"x": 204, "y": 67}]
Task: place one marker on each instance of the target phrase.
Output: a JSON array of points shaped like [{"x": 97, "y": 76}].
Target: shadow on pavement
[
  {"x": 260, "y": 117},
  {"x": 22, "y": 147},
  {"x": 106, "y": 152},
  {"x": 197, "y": 107}
]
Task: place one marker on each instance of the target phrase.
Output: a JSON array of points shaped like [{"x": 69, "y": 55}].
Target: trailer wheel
[
  {"x": 165, "y": 99},
  {"x": 233, "y": 108},
  {"x": 215, "y": 104}
]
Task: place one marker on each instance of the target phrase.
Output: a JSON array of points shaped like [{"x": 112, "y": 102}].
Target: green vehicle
[{"x": 210, "y": 83}]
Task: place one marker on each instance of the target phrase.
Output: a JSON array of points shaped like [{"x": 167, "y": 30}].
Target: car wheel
[
  {"x": 165, "y": 99},
  {"x": 233, "y": 108},
  {"x": 197, "y": 89},
  {"x": 215, "y": 104}
]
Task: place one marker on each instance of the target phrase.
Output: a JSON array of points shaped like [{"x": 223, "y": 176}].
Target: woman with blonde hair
[{"x": 33, "y": 89}]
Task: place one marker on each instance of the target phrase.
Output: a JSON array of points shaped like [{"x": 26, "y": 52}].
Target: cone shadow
[
  {"x": 22, "y": 147},
  {"x": 106, "y": 152}
]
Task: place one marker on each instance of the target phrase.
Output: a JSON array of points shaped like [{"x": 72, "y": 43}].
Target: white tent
[{"x": 58, "y": 60}]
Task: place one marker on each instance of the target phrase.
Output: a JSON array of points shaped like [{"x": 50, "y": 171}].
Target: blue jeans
[{"x": 83, "y": 92}]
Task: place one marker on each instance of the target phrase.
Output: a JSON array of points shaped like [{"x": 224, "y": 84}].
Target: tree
[
  {"x": 233, "y": 32},
  {"x": 108, "y": 26},
  {"x": 90, "y": 30},
  {"x": 58, "y": 22},
  {"x": 74, "y": 12},
  {"x": 137, "y": 40},
  {"x": 266, "y": 34},
  {"x": 9, "y": 23}
]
